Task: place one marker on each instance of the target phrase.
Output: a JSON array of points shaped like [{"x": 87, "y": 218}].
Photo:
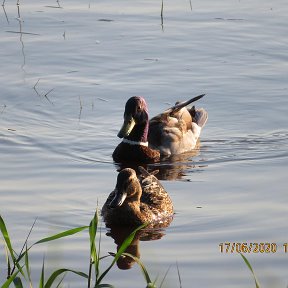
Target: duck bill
[
  {"x": 118, "y": 199},
  {"x": 127, "y": 127}
]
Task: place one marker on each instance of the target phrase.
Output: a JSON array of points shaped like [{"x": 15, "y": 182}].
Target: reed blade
[
  {"x": 41, "y": 281},
  {"x": 10, "y": 280},
  {"x": 27, "y": 265},
  {"x": 120, "y": 251},
  {"x": 17, "y": 282},
  {"x": 58, "y": 272},
  {"x": 6, "y": 238},
  {"x": 94, "y": 259},
  {"x": 251, "y": 269},
  {"x": 143, "y": 268},
  {"x": 62, "y": 234}
]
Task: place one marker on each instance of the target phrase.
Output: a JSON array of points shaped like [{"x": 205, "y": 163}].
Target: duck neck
[{"x": 139, "y": 132}]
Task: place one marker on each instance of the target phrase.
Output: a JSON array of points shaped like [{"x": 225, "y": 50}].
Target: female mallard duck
[
  {"x": 172, "y": 132},
  {"x": 137, "y": 201}
]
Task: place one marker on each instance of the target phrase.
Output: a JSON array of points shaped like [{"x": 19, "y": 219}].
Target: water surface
[{"x": 66, "y": 73}]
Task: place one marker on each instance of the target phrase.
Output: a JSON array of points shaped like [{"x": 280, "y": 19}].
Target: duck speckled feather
[{"x": 136, "y": 201}]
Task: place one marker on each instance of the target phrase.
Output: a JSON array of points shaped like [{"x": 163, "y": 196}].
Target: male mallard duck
[
  {"x": 172, "y": 132},
  {"x": 136, "y": 201}
]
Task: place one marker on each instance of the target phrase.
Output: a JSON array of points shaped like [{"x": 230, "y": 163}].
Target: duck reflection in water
[
  {"x": 174, "y": 167},
  {"x": 137, "y": 200},
  {"x": 120, "y": 234}
]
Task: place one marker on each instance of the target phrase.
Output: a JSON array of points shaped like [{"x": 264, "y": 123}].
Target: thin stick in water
[
  {"x": 81, "y": 107},
  {"x": 162, "y": 9},
  {"x": 179, "y": 277},
  {"x": 4, "y": 107},
  {"x": 190, "y": 4}
]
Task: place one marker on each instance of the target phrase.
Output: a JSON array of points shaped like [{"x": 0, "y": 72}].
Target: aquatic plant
[
  {"x": 18, "y": 265},
  {"x": 250, "y": 268}
]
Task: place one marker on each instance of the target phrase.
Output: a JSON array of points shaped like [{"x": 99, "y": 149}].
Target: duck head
[
  {"x": 136, "y": 120},
  {"x": 127, "y": 188}
]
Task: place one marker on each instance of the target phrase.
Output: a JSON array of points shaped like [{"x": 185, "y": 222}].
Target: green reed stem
[{"x": 250, "y": 268}]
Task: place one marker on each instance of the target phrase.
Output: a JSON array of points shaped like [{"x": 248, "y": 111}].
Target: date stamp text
[{"x": 252, "y": 247}]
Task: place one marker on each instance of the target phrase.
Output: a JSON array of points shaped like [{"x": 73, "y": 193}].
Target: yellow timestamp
[{"x": 252, "y": 247}]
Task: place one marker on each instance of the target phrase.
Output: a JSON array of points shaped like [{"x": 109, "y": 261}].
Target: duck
[
  {"x": 172, "y": 132},
  {"x": 137, "y": 200}
]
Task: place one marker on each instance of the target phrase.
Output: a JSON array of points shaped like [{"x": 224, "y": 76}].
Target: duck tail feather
[
  {"x": 180, "y": 105},
  {"x": 145, "y": 173},
  {"x": 200, "y": 117}
]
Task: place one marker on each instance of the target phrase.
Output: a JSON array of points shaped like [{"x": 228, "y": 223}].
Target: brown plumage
[{"x": 136, "y": 201}]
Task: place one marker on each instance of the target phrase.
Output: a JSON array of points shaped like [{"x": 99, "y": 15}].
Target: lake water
[{"x": 67, "y": 69}]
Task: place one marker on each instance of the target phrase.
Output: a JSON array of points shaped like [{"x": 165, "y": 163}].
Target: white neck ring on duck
[{"x": 135, "y": 142}]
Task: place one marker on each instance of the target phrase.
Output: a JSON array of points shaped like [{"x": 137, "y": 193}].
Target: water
[{"x": 64, "y": 83}]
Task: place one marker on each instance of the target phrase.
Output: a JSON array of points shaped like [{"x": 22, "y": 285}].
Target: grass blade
[
  {"x": 41, "y": 283},
  {"x": 10, "y": 280},
  {"x": 7, "y": 260},
  {"x": 93, "y": 253},
  {"x": 6, "y": 238},
  {"x": 121, "y": 250},
  {"x": 58, "y": 272},
  {"x": 143, "y": 269},
  {"x": 47, "y": 239},
  {"x": 61, "y": 280},
  {"x": 27, "y": 266},
  {"x": 151, "y": 285},
  {"x": 162, "y": 282},
  {"x": 17, "y": 282},
  {"x": 98, "y": 253},
  {"x": 25, "y": 243},
  {"x": 7, "y": 241},
  {"x": 51, "y": 238},
  {"x": 61, "y": 235},
  {"x": 250, "y": 268}
]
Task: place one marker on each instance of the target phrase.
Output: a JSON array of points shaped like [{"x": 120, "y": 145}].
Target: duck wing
[
  {"x": 175, "y": 131},
  {"x": 200, "y": 117},
  {"x": 176, "y": 112},
  {"x": 154, "y": 197}
]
